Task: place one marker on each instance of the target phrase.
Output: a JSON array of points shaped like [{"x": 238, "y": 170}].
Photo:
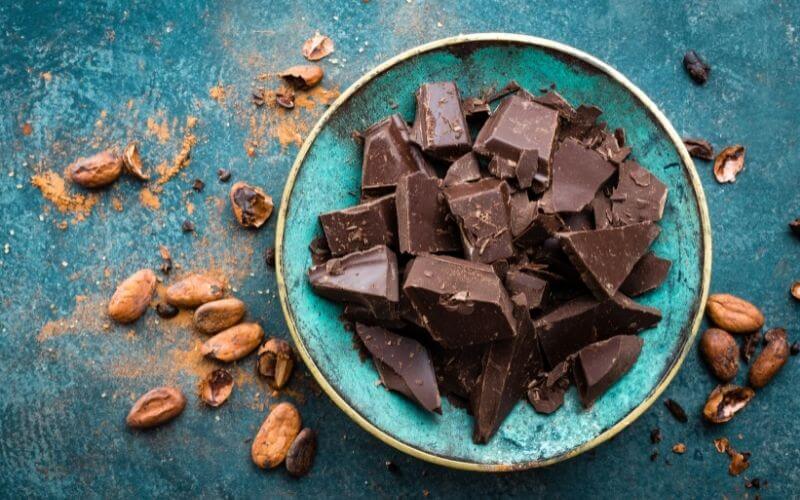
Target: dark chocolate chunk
[
  {"x": 361, "y": 227},
  {"x": 601, "y": 208},
  {"x": 600, "y": 365},
  {"x": 582, "y": 123},
  {"x": 368, "y": 278},
  {"x": 638, "y": 197},
  {"x": 357, "y": 313},
  {"x": 440, "y": 128},
  {"x": 508, "y": 88},
  {"x": 546, "y": 391},
  {"x": 542, "y": 227},
  {"x": 504, "y": 377},
  {"x": 580, "y": 221},
  {"x": 403, "y": 364},
  {"x": 319, "y": 250},
  {"x": 460, "y": 303},
  {"x": 423, "y": 223},
  {"x": 567, "y": 329},
  {"x": 482, "y": 210},
  {"x": 463, "y": 170},
  {"x": 676, "y": 410},
  {"x": 697, "y": 68},
  {"x": 519, "y": 124},
  {"x": 578, "y": 172},
  {"x": 457, "y": 370},
  {"x": 528, "y": 169},
  {"x": 502, "y": 168},
  {"x": 534, "y": 289},
  {"x": 604, "y": 257},
  {"x": 619, "y": 315},
  {"x": 523, "y": 212},
  {"x": 389, "y": 154},
  {"x": 476, "y": 110},
  {"x": 699, "y": 148},
  {"x": 655, "y": 436},
  {"x": 646, "y": 275},
  {"x": 611, "y": 149}
]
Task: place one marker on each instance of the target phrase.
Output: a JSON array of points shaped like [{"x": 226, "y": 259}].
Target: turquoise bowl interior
[{"x": 326, "y": 176}]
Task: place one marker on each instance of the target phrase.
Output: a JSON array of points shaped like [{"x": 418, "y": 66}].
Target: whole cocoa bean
[
  {"x": 234, "y": 343},
  {"x": 771, "y": 358},
  {"x": 194, "y": 290},
  {"x": 276, "y": 435},
  {"x": 97, "y": 170},
  {"x": 734, "y": 315},
  {"x": 721, "y": 353},
  {"x": 132, "y": 296},
  {"x": 218, "y": 315},
  {"x": 156, "y": 407},
  {"x": 300, "y": 456}
]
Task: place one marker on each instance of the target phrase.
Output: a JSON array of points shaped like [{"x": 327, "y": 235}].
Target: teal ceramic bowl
[{"x": 326, "y": 176}]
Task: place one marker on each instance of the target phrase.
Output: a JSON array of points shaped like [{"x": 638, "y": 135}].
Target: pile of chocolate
[{"x": 492, "y": 268}]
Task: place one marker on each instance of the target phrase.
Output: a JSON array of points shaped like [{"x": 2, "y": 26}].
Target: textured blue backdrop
[{"x": 93, "y": 74}]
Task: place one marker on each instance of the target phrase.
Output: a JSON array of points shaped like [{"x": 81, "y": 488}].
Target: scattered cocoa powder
[{"x": 54, "y": 188}]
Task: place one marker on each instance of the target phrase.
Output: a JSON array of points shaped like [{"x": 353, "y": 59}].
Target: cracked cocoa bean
[{"x": 771, "y": 358}]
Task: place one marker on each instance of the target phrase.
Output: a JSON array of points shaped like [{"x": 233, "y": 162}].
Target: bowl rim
[{"x": 688, "y": 165}]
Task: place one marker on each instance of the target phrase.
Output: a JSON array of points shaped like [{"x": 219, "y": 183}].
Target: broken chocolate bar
[
  {"x": 463, "y": 170},
  {"x": 648, "y": 274},
  {"x": 422, "y": 217},
  {"x": 403, "y": 364},
  {"x": 440, "y": 128},
  {"x": 476, "y": 110},
  {"x": 639, "y": 196},
  {"x": 506, "y": 372},
  {"x": 619, "y": 315},
  {"x": 368, "y": 278},
  {"x": 361, "y": 227},
  {"x": 482, "y": 210},
  {"x": 457, "y": 370},
  {"x": 605, "y": 257},
  {"x": 566, "y": 329},
  {"x": 523, "y": 212},
  {"x": 546, "y": 391},
  {"x": 460, "y": 303},
  {"x": 532, "y": 288},
  {"x": 519, "y": 124},
  {"x": 389, "y": 154},
  {"x": 600, "y": 365},
  {"x": 578, "y": 172}
]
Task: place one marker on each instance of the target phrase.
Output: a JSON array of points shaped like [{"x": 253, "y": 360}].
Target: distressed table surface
[{"x": 79, "y": 76}]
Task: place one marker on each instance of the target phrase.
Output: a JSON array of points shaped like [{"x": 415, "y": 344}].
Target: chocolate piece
[
  {"x": 476, "y": 110},
  {"x": 440, "y": 128},
  {"x": 422, "y": 217},
  {"x": 578, "y": 172},
  {"x": 463, "y": 170},
  {"x": 361, "y": 227},
  {"x": 619, "y": 315},
  {"x": 528, "y": 169},
  {"x": 482, "y": 210},
  {"x": 581, "y": 124},
  {"x": 319, "y": 250},
  {"x": 504, "y": 377},
  {"x": 601, "y": 208},
  {"x": 519, "y": 124},
  {"x": 611, "y": 149},
  {"x": 403, "y": 364},
  {"x": 600, "y": 365},
  {"x": 646, "y": 275},
  {"x": 460, "y": 303},
  {"x": 357, "y": 313},
  {"x": 581, "y": 221},
  {"x": 542, "y": 227},
  {"x": 566, "y": 329},
  {"x": 367, "y": 278},
  {"x": 389, "y": 154},
  {"x": 502, "y": 168},
  {"x": 546, "y": 391},
  {"x": 532, "y": 288},
  {"x": 509, "y": 88},
  {"x": 639, "y": 196},
  {"x": 457, "y": 370},
  {"x": 523, "y": 212},
  {"x": 605, "y": 257}
]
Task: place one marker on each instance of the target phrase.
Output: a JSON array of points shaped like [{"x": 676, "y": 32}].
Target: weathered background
[{"x": 79, "y": 76}]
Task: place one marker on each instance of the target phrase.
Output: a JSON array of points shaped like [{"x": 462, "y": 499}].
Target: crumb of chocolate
[
  {"x": 223, "y": 175},
  {"x": 654, "y": 456},
  {"x": 753, "y": 483},
  {"x": 269, "y": 257},
  {"x": 198, "y": 185},
  {"x": 187, "y": 226},
  {"x": 794, "y": 350},
  {"x": 392, "y": 467}
]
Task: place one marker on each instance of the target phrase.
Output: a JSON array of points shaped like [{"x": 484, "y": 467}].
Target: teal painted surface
[
  {"x": 330, "y": 177},
  {"x": 60, "y": 437}
]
